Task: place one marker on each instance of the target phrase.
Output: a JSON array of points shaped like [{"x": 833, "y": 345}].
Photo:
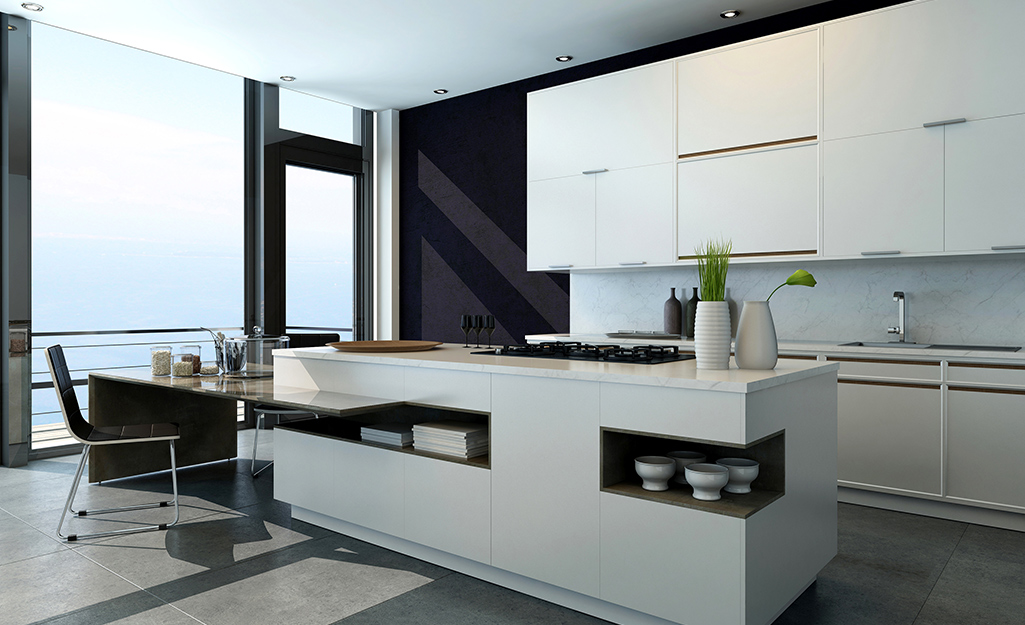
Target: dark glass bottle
[
  {"x": 692, "y": 310},
  {"x": 672, "y": 314}
]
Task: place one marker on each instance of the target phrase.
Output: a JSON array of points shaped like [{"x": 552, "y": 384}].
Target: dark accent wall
[{"x": 463, "y": 186}]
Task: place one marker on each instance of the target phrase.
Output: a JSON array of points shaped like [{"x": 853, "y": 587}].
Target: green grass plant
[{"x": 713, "y": 262}]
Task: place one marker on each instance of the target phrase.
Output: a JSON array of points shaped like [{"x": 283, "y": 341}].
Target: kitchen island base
[
  {"x": 537, "y": 517},
  {"x": 547, "y": 592}
]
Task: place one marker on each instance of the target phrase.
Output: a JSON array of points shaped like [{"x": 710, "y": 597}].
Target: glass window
[
  {"x": 319, "y": 214},
  {"x": 137, "y": 202},
  {"x": 307, "y": 114}
]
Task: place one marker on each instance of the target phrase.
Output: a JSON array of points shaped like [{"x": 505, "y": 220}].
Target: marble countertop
[
  {"x": 682, "y": 374},
  {"x": 256, "y": 390},
  {"x": 814, "y": 348}
]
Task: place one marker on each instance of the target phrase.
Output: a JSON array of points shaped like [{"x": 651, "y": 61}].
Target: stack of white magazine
[
  {"x": 451, "y": 438},
  {"x": 393, "y": 434}
]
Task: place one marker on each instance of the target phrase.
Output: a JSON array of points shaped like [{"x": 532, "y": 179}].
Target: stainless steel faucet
[{"x": 902, "y": 317}]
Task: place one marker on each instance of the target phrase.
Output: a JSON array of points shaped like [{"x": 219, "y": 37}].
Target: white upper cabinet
[
  {"x": 985, "y": 185},
  {"x": 759, "y": 93},
  {"x": 883, "y": 194},
  {"x": 921, "y": 63},
  {"x": 610, "y": 122},
  {"x": 765, "y": 202},
  {"x": 560, "y": 223},
  {"x": 634, "y": 210}
]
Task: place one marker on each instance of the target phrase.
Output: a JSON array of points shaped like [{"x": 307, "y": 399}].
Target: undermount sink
[
  {"x": 886, "y": 344},
  {"x": 906, "y": 345}
]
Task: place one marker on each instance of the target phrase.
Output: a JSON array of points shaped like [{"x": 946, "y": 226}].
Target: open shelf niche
[
  {"x": 620, "y": 447},
  {"x": 348, "y": 428}
]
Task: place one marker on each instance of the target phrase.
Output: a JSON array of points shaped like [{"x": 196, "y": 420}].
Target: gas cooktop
[{"x": 557, "y": 350}]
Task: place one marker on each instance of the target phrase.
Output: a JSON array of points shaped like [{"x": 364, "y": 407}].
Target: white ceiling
[{"x": 380, "y": 54}]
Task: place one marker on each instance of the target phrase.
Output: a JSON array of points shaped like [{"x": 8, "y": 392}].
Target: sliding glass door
[{"x": 320, "y": 217}]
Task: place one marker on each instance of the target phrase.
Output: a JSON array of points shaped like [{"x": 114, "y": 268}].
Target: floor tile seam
[
  {"x": 51, "y": 536},
  {"x": 39, "y": 555},
  {"x": 936, "y": 582}
]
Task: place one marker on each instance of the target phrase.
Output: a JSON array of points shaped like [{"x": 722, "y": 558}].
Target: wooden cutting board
[{"x": 384, "y": 346}]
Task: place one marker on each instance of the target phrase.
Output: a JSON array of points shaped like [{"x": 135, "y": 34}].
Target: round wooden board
[{"x": 384, "y": 346}]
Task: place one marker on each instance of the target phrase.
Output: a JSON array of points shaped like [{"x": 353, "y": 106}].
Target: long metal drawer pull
[
  {"x": 945, "y": 122},
  {"x": 881, "y": 253},
  {"x": 559, "y": 266},
  {"x": 997, "y": 248},
  {"x": 634, "y": 264},
  {"x": 594, "y": 171}
]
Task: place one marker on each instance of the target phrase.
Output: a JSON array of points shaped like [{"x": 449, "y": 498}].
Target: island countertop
[{"x": 680, "y": 374}]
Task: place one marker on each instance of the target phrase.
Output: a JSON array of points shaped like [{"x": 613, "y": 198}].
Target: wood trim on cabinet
[
  {"x": 922, "y": 363},
  {"x": 767, "y": 144},
  {"x": 988, "y": 389},
  {"x": 799, "y": 357},
  {"x": 760, "y": 254},
  {"x": 985, "y": 365},
  {"x": 935, "y": 385}
]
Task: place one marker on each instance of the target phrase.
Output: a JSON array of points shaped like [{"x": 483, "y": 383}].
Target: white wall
[{"x": 978, "y": 300}]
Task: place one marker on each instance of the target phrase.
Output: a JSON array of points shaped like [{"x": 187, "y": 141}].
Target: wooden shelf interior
[
  {"x": 348, "y": 428},
  {"x": 620, "y": 447}
]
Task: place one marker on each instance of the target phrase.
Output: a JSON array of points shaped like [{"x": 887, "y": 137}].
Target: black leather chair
[
  {"x": 90, "y": 435},
  {"x": 261, "y": 410}
]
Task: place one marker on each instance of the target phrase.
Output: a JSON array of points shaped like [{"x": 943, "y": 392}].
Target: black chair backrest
[
  {"x": 66, "y": 397},
  {"x": 311, "y": 340}
]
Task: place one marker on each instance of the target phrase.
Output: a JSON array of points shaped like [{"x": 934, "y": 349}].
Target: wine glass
[
  {"x": 478, "y": 325},
  {"x": 465, "y": 322},
  {"x": 489, "y": 326}
]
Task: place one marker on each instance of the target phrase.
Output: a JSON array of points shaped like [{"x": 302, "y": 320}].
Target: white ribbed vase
[
  {"x": 712, "y": 335},
  {"x": 756, "y": 337}
]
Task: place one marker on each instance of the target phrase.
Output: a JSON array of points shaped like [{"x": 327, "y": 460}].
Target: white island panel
[{"x": 545, "y": 480}]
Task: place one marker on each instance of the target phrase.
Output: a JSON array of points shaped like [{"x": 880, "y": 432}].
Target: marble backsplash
[{"x": 973, "y": 300}]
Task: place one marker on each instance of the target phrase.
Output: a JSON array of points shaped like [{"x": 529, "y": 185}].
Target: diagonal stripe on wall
[
  {"x": 543, "y": 294},
  {"x": 446, "y": 298}
]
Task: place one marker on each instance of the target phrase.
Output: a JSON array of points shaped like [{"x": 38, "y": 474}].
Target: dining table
[{"x": 205, "y": 408}]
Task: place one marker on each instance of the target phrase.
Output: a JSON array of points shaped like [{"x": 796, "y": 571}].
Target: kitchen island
[{"x": 554, "y": 509}]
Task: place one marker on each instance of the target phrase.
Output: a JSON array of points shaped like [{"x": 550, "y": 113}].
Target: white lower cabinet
[
  {"x": 680, "y": 564},
  {"x": 883, "y": 194},
  {"x": 545, "y": 480},
  {"x": 889, "y": 437},
  {"x": 985, "y": 430},
  {"x": 448, "y": 507},
  {"x": 304, "y": 471},
  {"x": 370, "y": 485}
]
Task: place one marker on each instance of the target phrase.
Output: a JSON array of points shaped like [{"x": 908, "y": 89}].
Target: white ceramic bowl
[
  {"x": 707, "y": 480},
  {"x": 683, "y": 458},
  {"x": 742, "y": 473},
  {"x": 655, "y": 471}
]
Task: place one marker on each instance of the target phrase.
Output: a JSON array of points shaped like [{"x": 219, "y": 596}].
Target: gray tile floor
[{"x": 238, "y": 557}]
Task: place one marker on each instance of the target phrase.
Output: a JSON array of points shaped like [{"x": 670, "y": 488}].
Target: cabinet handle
[
  {"x": 945, "y": 122},
  {"x": 634, "y": 264},
  {"x": 594, "y": 171},
  {"x": 881, "y": 253},
  {"x": 997, "y": 248},
  {"x": 559, "y": 266}
]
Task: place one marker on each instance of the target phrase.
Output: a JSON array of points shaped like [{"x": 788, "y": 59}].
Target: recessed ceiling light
[
  {"x": 441, "y": 91},
  {"x": 728, "y": 15},
  {"x": 288, "y": 78},
  {"x": 565, "y": 58},
  {"x": 31, "y": 6}
]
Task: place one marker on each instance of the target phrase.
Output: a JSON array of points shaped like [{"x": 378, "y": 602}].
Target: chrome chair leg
[
  {"x": 134, "y": 530},
  {"x": 256, "y": 437}
]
